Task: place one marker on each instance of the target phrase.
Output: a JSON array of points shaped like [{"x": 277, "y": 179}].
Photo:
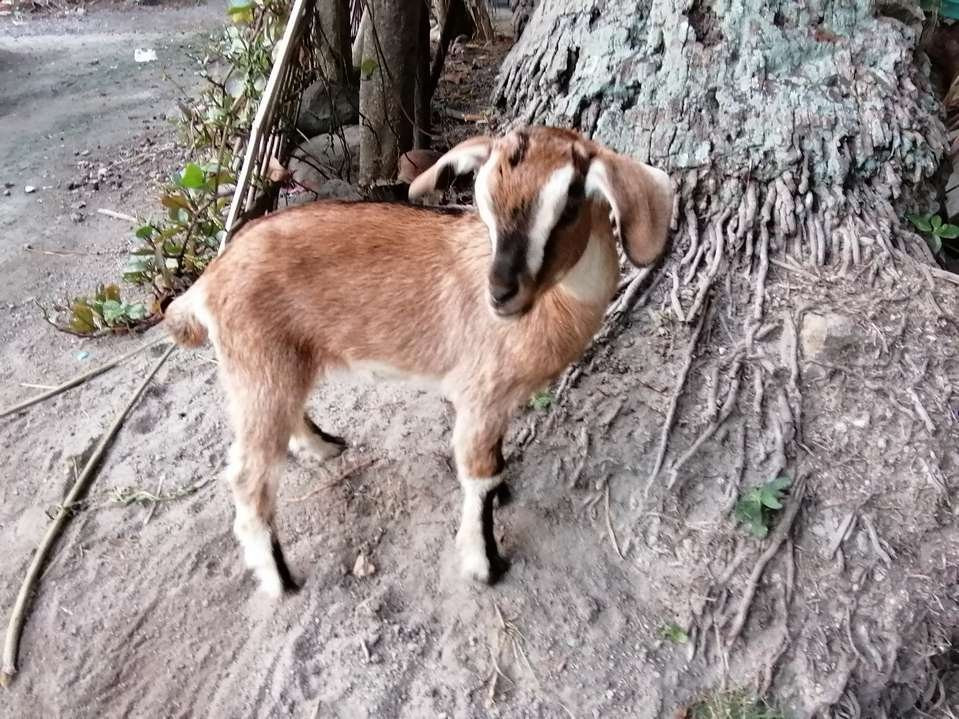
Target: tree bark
[
  {"x": 333, "y": 50},
  {"x": 424, "y": 90},
  {"x": 456, "y": 22},
  {"x": 798, "y": 135},
  {"x": 388, "y": 73}
]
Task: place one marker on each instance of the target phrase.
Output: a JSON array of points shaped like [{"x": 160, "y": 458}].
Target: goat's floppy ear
[
  {"x": 641, "y": 200},
  {"x": 466, "y": 157}
]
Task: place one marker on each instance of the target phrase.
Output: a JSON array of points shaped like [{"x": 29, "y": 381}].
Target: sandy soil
[{"x": 146, "y": 611}]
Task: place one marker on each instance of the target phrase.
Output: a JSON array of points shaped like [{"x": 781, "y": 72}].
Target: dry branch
[
  {"x": 80, "y": 379},
  {"x": 83, "y": 480}
]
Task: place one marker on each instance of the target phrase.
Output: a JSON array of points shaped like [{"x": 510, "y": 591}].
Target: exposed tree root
[{"x": 776, "y": 539}]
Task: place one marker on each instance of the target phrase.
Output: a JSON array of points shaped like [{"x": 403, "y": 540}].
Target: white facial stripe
[
  {"x": 552, "y": 201},
  {"x": 597, "y": 184},
  {"x": 484, "y": 202}
]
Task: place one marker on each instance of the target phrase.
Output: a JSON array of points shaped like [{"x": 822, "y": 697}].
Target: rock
[
  {"x": 6, "y": 193},
  {"x": 363, "y": 567},
  {"x": 325, "y": 106},
  {"x": 29, "y": 189},
  {"x": 826, "y": 335},
  {"x": 326, "y": 156},
  {"x": 77, "y": 217},
  {"x": 414, "y": 163}
]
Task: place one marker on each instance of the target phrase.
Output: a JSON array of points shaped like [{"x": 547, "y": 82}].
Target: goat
[{"x": 490, "y": 307}]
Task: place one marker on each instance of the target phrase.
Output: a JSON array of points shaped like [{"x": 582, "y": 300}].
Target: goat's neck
[{"x": 592, "y": 280}]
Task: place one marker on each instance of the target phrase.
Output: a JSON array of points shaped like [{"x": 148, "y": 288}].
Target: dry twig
[
  {"x": 81, "y": 378},
  {"x": 86, "y": 476}
]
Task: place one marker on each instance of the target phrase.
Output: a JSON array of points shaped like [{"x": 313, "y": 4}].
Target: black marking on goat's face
[{"x": 531, "y": 195}]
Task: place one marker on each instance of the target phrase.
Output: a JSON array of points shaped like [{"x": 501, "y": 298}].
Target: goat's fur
[{"x": 490, "y": 307}]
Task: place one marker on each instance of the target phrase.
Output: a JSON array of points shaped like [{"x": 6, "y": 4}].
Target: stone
[
  {"x": 325, "y": 106},
  {"x": 29, "y": 189},
  {"x": 828, "y": 334},
  {"x": 363, "y": 567},
  {"x": 327, "y": 156},
  {"x": 414, "y": 163}
]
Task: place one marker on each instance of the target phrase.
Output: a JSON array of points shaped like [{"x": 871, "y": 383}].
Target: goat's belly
[{"x": 368, "y": 371}]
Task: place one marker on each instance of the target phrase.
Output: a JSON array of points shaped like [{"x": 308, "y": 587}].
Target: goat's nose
[{"x": 502, "y": 292}]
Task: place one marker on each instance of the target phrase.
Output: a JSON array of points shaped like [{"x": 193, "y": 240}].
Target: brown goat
[{"x": 489, "y": 307}]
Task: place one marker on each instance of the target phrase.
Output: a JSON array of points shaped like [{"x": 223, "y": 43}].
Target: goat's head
[{"x": 540, "y": 190}]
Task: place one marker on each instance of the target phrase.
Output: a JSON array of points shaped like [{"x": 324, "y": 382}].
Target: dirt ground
[{"x": 145, "y": 610}]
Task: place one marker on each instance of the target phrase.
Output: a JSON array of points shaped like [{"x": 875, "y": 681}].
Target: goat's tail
[{"x": 183, "y": 318}]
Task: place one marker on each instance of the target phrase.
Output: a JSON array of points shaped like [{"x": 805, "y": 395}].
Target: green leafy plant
[
  {"x": 541, "y": 401},
  {"x": 674, "y": 633},
  {"x": 732, "y": 705},
  {"x": 938, "y": 234},
  {"x": 104, "y": 310},
  {"x": 756, "y": 507},
  {"x": 173, "y": 249}
]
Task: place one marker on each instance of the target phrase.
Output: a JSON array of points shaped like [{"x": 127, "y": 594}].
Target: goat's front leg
[{"x": 477, "y": 443}]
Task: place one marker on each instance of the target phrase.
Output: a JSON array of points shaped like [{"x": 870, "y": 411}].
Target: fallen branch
[
  {"x": 117, "y": 215},
  {"x": 344, "y": 474},
  {"x": 775, "y": 541},
  {"x": 17, "y": 616},
  {"x": 80, "y": 379}
]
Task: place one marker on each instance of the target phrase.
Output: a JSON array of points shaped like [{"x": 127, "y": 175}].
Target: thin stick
[
  {"x": 117, "y": 215},
  {"x": 674, "y": 401},
  {"x": 80, "y": 379},
  {"x": 776, "y": 539},
  {"x": 609, "y": 526},
  {"x": 90, "y": 469},
  {"x": 344, "y": 474}
]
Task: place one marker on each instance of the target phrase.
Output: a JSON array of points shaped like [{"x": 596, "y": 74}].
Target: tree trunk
[
  {"x": 424, "y": 91},
  {"x": 805, "y": 327},
  {"x": 456, "y": 22},
  {"x": 333, "y": 50},
  {"x": 388, "y": 73}
]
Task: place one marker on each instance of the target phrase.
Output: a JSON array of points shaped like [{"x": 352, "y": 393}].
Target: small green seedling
[
  {"x": 674, "y": 633},
  {"x": 541, "y": 401},
  {"x": 732, "y": 705},
  {"x": 104, "y": 310},
  {"x": 756, "y": 507},
  {"x": 935, "y": 231}
]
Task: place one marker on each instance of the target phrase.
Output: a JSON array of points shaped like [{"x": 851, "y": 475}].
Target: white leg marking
[
  {"x": 469, "y": 539},
  {"x": 304, "y": 440},
  {"x": 253, "y": 534}
]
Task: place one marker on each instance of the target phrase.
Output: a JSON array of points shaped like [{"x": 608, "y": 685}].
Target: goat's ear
[
  {"x": 640, "y": 198},
  {"x": 466, "y": 157}
]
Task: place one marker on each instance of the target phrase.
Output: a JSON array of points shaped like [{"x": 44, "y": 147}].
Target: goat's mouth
[{"x": 513, "y": 309}]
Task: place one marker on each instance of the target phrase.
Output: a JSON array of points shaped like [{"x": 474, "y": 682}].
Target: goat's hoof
[
  {"x": 503, "y": 494},
  {"x": 481, "y": 569}
]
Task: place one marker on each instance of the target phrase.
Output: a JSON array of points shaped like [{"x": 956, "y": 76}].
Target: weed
[
  {"x": 541, "y": 401},
  {"x": 173, "y": 250},
  {"x": 939, "y": 235},
  {"x": 756, "y": 507},
  {"x": 674, "y": 633},
  {"x": 104, "y": 310},
  {"x": 732, "y": 705}
]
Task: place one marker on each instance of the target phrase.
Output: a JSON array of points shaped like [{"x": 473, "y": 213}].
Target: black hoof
[
  {"x": 290, "y": 586},
  {"x": 498, "y": 567},
  {"x": 326, "y": 437},
  {"x": 503, "y": 494}
]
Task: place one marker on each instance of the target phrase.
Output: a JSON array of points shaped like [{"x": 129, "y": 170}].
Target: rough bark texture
[
  {"x": 333, "y": 53},
  {"x": 388, "y": 74},
  {"x": 798, "y": 328}
]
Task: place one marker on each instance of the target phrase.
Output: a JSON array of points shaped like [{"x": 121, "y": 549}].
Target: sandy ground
[{"x": 146, "y": 611}]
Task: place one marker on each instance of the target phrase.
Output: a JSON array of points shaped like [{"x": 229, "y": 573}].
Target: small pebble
[
  {"x": 29, "y": 188},
  {"x": 363, "y": 567}
]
